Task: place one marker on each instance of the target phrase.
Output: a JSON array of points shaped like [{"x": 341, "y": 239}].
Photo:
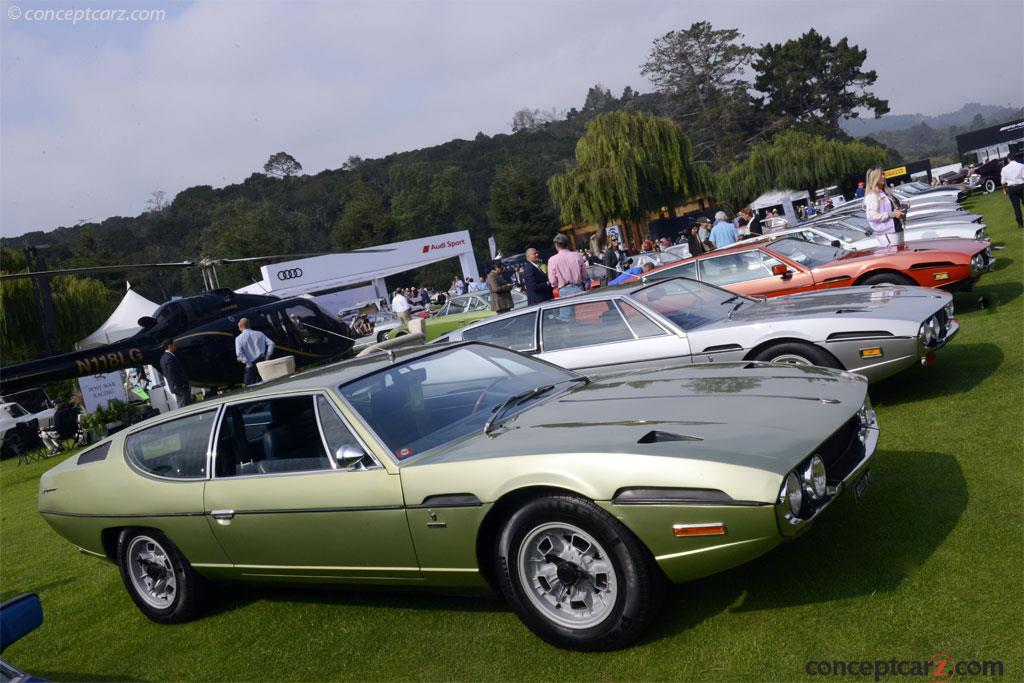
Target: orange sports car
[{"x": 792, "y": 265}]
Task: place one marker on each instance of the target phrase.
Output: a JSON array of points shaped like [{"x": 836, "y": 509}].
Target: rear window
[{"x": 174, "y": 449}]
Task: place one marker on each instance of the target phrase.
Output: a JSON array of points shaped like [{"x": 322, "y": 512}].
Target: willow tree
[
  {"x": 796, "y": 160},
  {"x": 627, "y": 165}
]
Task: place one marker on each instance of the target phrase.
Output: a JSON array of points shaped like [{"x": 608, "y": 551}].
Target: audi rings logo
[{"x": 290, "y": 274}]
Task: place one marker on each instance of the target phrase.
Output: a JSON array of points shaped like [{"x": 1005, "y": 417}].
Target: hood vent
[{"x": 658, "y": 436}]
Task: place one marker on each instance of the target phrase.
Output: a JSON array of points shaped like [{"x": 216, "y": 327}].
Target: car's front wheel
[
  {"x": 795, "y": 353},
  {"x": 990, "y": 185},
  {"x": 158, "y": 577},
  {"x": 576, "y": 576}
]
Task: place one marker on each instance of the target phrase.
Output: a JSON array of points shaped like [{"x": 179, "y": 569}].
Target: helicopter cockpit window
[{"x": 306, "y": 325}]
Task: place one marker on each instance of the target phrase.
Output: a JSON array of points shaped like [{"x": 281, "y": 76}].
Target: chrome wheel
[
  {"x": 791, "y": 359},
  {"x": 567, "y": 575},
  {"x": 151, "y": 572}
]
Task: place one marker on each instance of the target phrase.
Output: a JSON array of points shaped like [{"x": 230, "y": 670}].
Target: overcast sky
[{"x": 95, "y": 115}]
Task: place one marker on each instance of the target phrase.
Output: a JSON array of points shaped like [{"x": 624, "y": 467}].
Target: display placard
[{"x": 100, "y": 390}]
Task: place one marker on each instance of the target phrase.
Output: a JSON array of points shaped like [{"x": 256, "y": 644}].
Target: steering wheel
[{"x": 480, "y": 400}]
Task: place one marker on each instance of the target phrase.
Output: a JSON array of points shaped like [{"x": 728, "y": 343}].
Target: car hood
[
  {"x": 880, "y": 301},
  {"x": 757, "y": 415},
  {"x": 947, "y": 246}
]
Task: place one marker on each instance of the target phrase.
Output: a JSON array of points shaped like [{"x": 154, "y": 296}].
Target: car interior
[{"x": 270, "y": 436}]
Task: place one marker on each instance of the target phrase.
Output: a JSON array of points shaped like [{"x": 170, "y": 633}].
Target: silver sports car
[
  {"x": 874, "y": 330},
  {"x": 856, "y": 238}
]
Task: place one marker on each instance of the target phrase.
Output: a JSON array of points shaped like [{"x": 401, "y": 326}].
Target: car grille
[{"x": 843, "y": 450}]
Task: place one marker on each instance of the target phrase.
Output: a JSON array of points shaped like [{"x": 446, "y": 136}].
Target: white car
[
  {"x": 858, "y": 239},
  {"x": 12, "y": 415}
]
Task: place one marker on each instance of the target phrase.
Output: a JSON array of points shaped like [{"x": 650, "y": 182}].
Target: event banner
[{"x": 99, "y": 390}]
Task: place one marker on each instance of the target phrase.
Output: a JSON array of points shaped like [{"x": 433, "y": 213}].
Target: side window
[
  {"x": 731, "y": 268},
  {"x": 641, "y": 324},
  {"x": 457, "y": 306},
  {"x": 480, "y": 304},
  {"x": 270, "y": 436},
  {"x": 513, "y": 332},
  {"x": 175, "y": 449},
  {"x": 304, "y": 322},
  {"x": 583, "y": 324},
  {"x": 336, "y": 432}
]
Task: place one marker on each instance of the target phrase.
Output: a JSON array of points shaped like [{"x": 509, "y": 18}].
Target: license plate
[{"x": 862, "y": 485}]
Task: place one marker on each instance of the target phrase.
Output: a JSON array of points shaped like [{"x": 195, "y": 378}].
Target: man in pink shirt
[{"x": 566, "y": 268}]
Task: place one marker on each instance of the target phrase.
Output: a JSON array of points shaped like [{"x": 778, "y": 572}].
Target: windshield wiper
[
  {"x": 734, "y": 309},
  {"x": 513, "y": 400},
  {"x": 729, "y": 300}
]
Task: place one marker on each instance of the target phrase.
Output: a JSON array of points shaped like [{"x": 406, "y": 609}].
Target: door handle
[{"x": 222, "y": 514}]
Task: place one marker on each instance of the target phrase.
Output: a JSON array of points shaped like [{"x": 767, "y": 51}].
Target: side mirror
[
  {"x": 146, "y": 322},
  {"x": 347, "y": 456},
  {"x": 19, "y": 616},
  {"x": 781, "y": 269}
]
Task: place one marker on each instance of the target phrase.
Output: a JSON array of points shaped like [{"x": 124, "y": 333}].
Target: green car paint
[{"x": 735, "y": 430}]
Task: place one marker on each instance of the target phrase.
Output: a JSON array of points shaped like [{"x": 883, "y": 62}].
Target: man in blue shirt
[
  {"x": 251, "y": 347},
  {"x": 724, "y": 233}
]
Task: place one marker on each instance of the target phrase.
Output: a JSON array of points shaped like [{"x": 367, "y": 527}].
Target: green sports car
[
  {"x": 471, "y": 466},
  {"x": 457, "y": 312}
]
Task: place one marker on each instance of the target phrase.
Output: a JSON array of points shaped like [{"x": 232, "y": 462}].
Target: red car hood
[{"x": 951, "y": 246}]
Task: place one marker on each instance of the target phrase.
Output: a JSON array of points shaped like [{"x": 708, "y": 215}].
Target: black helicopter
[{"x": 204, "y": 328}]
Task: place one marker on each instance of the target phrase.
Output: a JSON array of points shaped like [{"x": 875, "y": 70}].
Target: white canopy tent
[
  {"x": 122, "y": 323},
  {"x": 783, "y": 198}
]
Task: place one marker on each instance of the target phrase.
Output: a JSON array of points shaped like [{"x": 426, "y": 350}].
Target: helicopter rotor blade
[
  {"x": 226, "y": 261},
  {"x": 94, "y": 269}
]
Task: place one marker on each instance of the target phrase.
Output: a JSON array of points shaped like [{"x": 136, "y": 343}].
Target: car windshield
[
  {"x": 428, "y": 401},
  {"x": 857, "y": 223},
  {"x": 843, "y": 232},
  {"x": 688, "y": 303},
  {"x": 805, "y": 253}
]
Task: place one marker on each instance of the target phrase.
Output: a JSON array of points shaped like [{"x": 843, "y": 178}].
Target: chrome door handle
[{"x": 222, "y": 514}]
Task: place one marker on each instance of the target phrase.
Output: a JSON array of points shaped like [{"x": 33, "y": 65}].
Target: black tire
[
  {"x": 887, "y": 279},
  {"x": 189, "y": 594},
  {"x": 798, "y": 353},
  {"x": 633, "y": 586},
  {"x": 990, "y": 185},
  {"x": 381, "y": 336}
]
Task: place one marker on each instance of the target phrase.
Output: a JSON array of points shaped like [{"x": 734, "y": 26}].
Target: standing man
[
  {"x": 174, "y": 374},
  {"x": 1012, "y": 178},
  {"x": 251, "y": 347},
  {"x": 724, "y": 233},
  {"x": 535, "y": 280},
  {"x": 501, "y": 290},
  {"x": 401, "y": 307},
  {"x": 566, "y": 268}
]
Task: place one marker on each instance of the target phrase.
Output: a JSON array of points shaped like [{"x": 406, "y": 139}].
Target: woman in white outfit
[{"x": 880, "y": 207}]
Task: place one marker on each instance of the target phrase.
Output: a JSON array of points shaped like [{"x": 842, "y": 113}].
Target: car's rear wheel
[
  {"x": 158, "y": 577},
  {"x": 887, "y": 279},
  {"x": 795, "y": 353},
  {"x": 381, "y": 336},
  {"x": 576, "y": 576}
]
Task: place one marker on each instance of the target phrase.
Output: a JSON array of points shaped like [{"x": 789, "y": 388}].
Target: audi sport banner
[{"x": 332, "y": 271}]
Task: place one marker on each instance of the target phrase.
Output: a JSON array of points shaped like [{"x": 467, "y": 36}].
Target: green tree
[
  {"x": 700, "y": 70},
  {"x": 365, "y": 220},
  {"x": 627, "y": 165},
  {"x": 282, "y": 165},
  {"x": 796, "y": 160},
  {"x": 598, "y": 98},
  {"x": 812, "y": 83},
  {"x": 520, "y": 209}
]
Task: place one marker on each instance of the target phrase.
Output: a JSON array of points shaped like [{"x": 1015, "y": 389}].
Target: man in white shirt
[
  {"x": 1012, "y": 178},
  {"x": 401, "y": 306}
]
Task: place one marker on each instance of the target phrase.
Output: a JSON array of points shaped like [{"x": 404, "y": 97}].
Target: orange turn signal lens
[
  {"x": 873, "y": 352},
  {"x": 710, "y": 529},
  {"x": 941, "y": 276}
]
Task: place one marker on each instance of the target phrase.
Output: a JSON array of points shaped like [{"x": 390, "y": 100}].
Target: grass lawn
[{"x": 930, "y": 564}]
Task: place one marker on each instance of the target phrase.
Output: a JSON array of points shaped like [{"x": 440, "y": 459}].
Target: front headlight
[
  {"x": 815, "y": 479},
  {"x": 929, "y": 332},
  {"x": 793, "y": 494},
  {"x": 981, "y": 235}
]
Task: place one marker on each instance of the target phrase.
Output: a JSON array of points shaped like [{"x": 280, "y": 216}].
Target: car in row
[
  {"x": 472, "y": 467},
  {"x": 875, "y": 331},
  {"x": 791, "y": 265}
]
